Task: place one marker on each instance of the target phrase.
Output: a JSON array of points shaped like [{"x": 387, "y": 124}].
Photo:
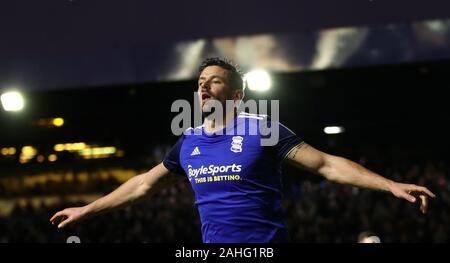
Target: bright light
[
  {"x": 258, "y": 80},
  {"x": 79, "y": 146},
  {"x": 29, "y": 150},
  {"x": 8, "y": 151},
  {"x": 12, "y": 101},
  {"x": 11, "y": 150},
  {"x": 333, "y": 129},
  {"x": 59, "y": 147},
  {"x": 58, "y": 122},
  {"x": 5, "y": 151},
  {"x": 97, "y": 152},
  {"x": 70, "y": 147},
  {"x": 52, "y": 157},
  {"x": 371, "y": 239},
  {"x": 75, "y": 146}
]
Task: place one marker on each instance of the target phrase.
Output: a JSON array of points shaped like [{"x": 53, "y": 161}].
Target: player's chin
[{"x": 207, "y": 106}]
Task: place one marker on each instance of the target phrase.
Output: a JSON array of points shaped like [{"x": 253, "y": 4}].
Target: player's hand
[
  {"x": 412, "y": 193},
  {"x": 68, "y": 216}
]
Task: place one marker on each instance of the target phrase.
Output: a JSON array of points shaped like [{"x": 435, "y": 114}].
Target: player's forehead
[{"x": 212, "y": 71}]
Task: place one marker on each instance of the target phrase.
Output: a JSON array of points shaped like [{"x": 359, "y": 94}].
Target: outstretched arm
[
  {"x": 135, "y": 189},
  {"x": 344, "y": 171}
]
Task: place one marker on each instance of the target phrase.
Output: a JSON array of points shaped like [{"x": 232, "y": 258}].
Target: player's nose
[{"x": 204, "y": 89}]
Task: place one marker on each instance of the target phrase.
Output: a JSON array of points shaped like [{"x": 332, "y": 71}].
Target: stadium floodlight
[
  {"x": 333, "y": 129},
  {"x": 12, "y": 101},
  {"x": 258, "y": 80}
]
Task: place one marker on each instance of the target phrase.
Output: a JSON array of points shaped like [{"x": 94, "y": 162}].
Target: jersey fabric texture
[{"x": 237, "y": 182}]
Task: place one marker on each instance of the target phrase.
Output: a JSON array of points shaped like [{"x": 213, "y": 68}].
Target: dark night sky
[{"x": 49, "y": 42}]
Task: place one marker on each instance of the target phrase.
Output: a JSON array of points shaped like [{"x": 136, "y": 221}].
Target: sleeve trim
[{"x": 301, "y": 144}]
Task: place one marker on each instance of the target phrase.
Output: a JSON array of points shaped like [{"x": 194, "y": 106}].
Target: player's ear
[{"x": 238, "y": 95}]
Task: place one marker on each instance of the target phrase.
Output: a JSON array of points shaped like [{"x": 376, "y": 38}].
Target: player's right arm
[{"x": 135, "y": 189}]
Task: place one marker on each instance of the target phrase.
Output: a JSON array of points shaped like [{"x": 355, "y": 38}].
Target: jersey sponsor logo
[
  {"x": 213, "y": 169},
  {"x": 236, "y": 144},
  {"x": 196, "y": 151}
]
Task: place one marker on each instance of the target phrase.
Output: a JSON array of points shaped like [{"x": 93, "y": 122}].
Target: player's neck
[{"x": 213, "y": 125}]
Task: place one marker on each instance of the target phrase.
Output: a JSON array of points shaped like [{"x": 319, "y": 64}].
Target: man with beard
[{"x": 236, "y": 179}]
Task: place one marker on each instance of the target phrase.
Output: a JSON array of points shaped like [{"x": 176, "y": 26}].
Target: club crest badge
[{"x": 236, "y": 144}]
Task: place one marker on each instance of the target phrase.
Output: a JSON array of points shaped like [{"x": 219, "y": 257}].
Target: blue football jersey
[{"x": 237, "y": 182}]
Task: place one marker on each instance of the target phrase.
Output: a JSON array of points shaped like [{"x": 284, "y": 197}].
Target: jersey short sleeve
[
  {"x": 172, "y": 159},
  {"x": 287, "y": 139}
]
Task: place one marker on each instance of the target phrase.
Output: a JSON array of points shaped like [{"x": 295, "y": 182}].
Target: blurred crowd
[
  {"x": 329, "y": 212},
  {"x": 315, "y": 210},
  {"x": 167, "y": 217}
]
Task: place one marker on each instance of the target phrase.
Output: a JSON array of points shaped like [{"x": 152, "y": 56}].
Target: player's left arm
[{"x": 342, "y": 170}]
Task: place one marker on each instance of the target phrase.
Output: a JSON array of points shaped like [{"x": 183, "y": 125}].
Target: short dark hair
[{"x": 236, "y": 76}]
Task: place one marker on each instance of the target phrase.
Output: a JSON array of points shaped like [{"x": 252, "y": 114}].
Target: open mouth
[{"x": 205, "y": 97}]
